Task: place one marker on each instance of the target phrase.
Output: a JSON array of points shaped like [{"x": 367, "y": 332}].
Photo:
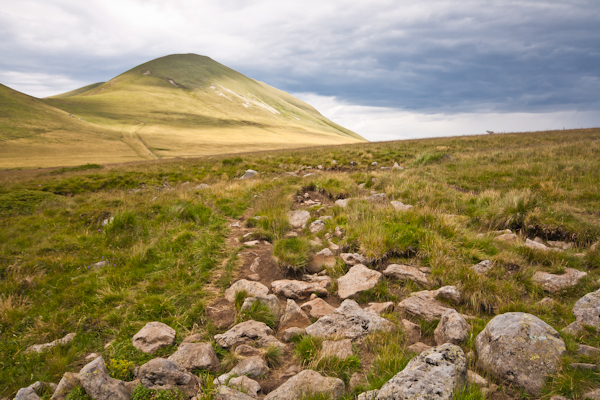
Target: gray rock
[
  {"x": 99, "y": 385},
  {"x": 317, "y": 308},
  {"x": 245, "y": 385},
  {"x": 587, "y": 309},
  {"x": 413, "y": 331},
  {"x": 573, "y": 328},
  {"x": 351, "y": 259},
  {"x": 377, "y": 198},
  {"x": 595, "y": 395},
  {"x": 588, "y": 351},
  {"x": 381, "y": 308},
  {"x": 423, "y": 306},
  {"x": 510, "y": 238},
  {"x": 406, "y": 272},
  {"x": 153, "y": 336},
  {"x": 191, "y": 356},
  {"x": 243, "y": 333},
  {"x": 444, "y": 293},
  {"x": 350, "y": 321},
  {"x": 591, "y": 367},
  {"x": 252, "y": 367},
  {"x": 555, "y": 283},
  {"x": 482, "y": 267},
  {"x": 254, "y": 289},
  {"x": 27, "y": 393},
  {"x": 163, "y": 374},
  {"x": 418, "y": 347},
  {"x": 298, "y": 218},
  {"x": 244, "y": 350},
  {"x": 561, "y": 245},
  {"x": 227, "y": 393},
  {"x": 293, "y": 317},
  {"x": 538, "y": 246},
  {"x": 68, "y": 382},
  {"x": 370, "y": 395},
  {"x": 307, "y": 382},
  {"x": 100, "y": 264},
  {"x": 270, "y": 301},
  {"x": 338, "y": 232},
  {"x": 475, "y": 379},
  {"x": 323, "y": 280},
  {"x": 342, "y": 202},
  {"x": 520, "y": 349},
  {"x": 435, "y": 374},
  {"x": 400, "y": 206},
  {"x": 297, "y": 289},
  {"x": 316, "y": 226},
  {"x": 289, "y": 333},
  {"x": 338, "y": 348},
  {"x": 358, "y": 279},
  {"x": 324, "y": 258},
  {"x": 452, "y": 328},
  {"x": 250, "y": 173},
  {"x": 547, "y": 302},
  {"x": 396, "y": 166},
  {"x": 38, "y": 348}
]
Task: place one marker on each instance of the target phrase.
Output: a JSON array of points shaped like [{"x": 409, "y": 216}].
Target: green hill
[{"x": 181, "y": 105}]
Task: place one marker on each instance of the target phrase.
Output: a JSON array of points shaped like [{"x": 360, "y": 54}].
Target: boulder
[
  {"x": 244, "y": 350},
  {"x": 520, "y": 349},
  {"x": 342, "y": 202},
  {"x": 418, "y": 347},
  {"x": 358, "y": 279},
  {"x": 243, "y": 333},
  {"x": 435, "y": 374},
  {"x": 271, "y": 301},
  {"x": 297, "y": 289},
  {"x": 227, "y": 393},
  {"x": 452, "y": 328},
  {"x": 96, "y": 382},
  {"x": 153, "y": 336},
  {"x": 406, "y": 272},
  {"x": 381, "y": 308},
  {"x": 337, "y": 348},
  {"x": 38, "y": 348},
  {"x": 298, "y": 218},
  {"x": 482, "y": 267},
  {"x": 510, "y": 238},
  {"x": 253, "y": 289},
  {"x": 444, "y": 293},
  {"x": 250, "y": 173},
  {"x": 400, "y": 206},
  {"x": 349, "y": 321},
  {"x": 191, "y": 356},
  {"x": 555, "y": 283},
  {"x": 573, "y": 328},
  {"x": 245, "y": 385},
  {"x": 252, "y": 367},
  {"x": 68, "y": 382},
  {"x": 293, "y": 317},
  {"x": 587, "y": 309},
  {"x": 316, "y": 226},
  {"x": 351, "y": 259},
  {"x": 289, "y": 333},
  {"x": 26, "y": 393},
  {"x": 423, "y": 306},
  {"x": 317, "y": 308},
  {"x": 308, "y": 382},
  {"x": 324, "y": 258},
  {"x": 160, "y": 373},
  {"x": 323, "y": 280},
  {"x": 413, "y": 331}
]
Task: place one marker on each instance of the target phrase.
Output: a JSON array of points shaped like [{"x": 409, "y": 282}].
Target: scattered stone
[
  {"x": 350, "y": 321},
  {"x": 591, "y": 367},
  {"x": 560, "y": 244},
  {"x": 483, "y": 267},
  {"x": 445, "y": 292},
  {"x": 38, "y": 348},
  {"x": 288, "y": 373},
  {"x": 406, "y": 272},
  {"x": 291, "y": 234},
  {"x": 317, "y": 308},
  {"x": 338, "y": 232},
  {"x": 243, "y": 333},
  {"x": 289, "y": 333},
  {"x": 163, "y": 374},
  {"x": 374, "y": 164},
  {"x": 452, "y": 328},
  {"x": 270, "y": 301},
  {"x": 342, "y": 202},
  {"x": 396, "y": 166},
  {"x": 362, "y": 186},
  {"x": 589, "y": 351},
  {"x": 253, "y": 289},
  {"x": 202, "y": 186},
  {"x": 68, "y": 382},
  {"x": 357, "y": 379},
  {"x": 475, "y": 379},
  {"x": 99, "y": 264},
  {"x": 573, "y": 328},
  {"x": 322, "y": 280},
  {"x": 587, "y": 309},
  {"x": 252, "y": 243},
  {"x": 423, "y": 306},
  {"x": 595, "y": 246},
  {"x": 413, "y": 331},
  {"x": 334, "y": 247},
  {"x": 323, "y": 259},
  {"x": 340, "y": 348},
  {"x": 538, "y": 246},
  {"x": 26, "y": 393},
  {"x": 253, "y": 277},
  {"x": 153, "y": 336},
  {"x": 546, "y": 302},
  {"x": 555, "y": 283},
  {"x": 418, "y": 347},
  {"x": 96, "y": 382},
  {"x": 245, "y": 384},
  {"x": 510, "y": 238},
  {"x": 308, "y": 382},
  {"x": 521, "y": 349},
  {"x": 538, "y": 240},
  {"x": 400, "y": 206},
  {"x": 316, "y": 226},
  {"x": 250, "y": 173},
  {"x": 108, "y": 221},
  {"x": 595, "y": 395},
  {"x": 435, "y": 374},
  {"x": 381, "y": 308},
  {"x": 297, "y": 289},
  {"x": 377, "y": 198},
  {"x": 351, "y": 259},
  {"x": 298, "y": 218},
  {"x": 227, "y": 393},
  {"x": 91, "y": 356},
  {"x": 253, "y": 367},
  {"x": 293, "y": 317},
  {"x": 358, "y": 279},
  {"x": 191, "y": 356},
  {"x": 244, "y": 350}
]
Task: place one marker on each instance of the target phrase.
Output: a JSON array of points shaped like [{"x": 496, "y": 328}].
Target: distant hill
[{"x": 180, "y": 105}]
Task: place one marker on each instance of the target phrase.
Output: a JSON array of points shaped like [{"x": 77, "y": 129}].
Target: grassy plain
[{"x": 169, "y": 259}]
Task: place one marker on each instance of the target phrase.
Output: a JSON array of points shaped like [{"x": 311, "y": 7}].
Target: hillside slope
[{"x": 176, "y": 106}]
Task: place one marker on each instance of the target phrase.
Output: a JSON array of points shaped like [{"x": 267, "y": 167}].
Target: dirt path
[{"x": 131, "y": 138}]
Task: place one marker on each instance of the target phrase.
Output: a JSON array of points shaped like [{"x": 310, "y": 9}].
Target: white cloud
[{"x": 38, "y": 83}]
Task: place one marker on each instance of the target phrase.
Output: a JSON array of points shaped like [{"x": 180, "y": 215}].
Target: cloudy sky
[{"x": 386, "y": 69}]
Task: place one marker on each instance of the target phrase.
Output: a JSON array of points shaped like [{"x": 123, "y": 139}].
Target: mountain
[{"x": 181, "y": 105}]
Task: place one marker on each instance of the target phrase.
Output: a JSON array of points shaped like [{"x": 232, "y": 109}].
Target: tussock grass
[{"x": 292, "y": 253}]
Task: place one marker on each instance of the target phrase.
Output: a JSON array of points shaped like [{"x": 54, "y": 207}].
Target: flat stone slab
[
  {"x": 358, "y": 279},
  {"x": 555, "y": 283}
]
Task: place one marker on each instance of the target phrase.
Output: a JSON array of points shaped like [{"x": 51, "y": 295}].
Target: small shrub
[
  {"x": 342, "y": 368},
  {"x": 273, "y": 356},
  {"x": 239, "y": 299},
  {"x": 78, "y": 394},
  {"x": 121, "y": 369},
  {"x": 429, "y": 158},
  {"x": 292, "y": 253},
  {"x": 511, "y": 211},
  {"x": 258, "y": 312},
  {"x": 469, "y": 392},
  {"x": 307, "y": 348},
  {"x": 142, "y": 393}
]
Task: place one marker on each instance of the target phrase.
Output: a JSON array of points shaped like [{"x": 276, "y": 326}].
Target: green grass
[{"x": 292, "y": 253}]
